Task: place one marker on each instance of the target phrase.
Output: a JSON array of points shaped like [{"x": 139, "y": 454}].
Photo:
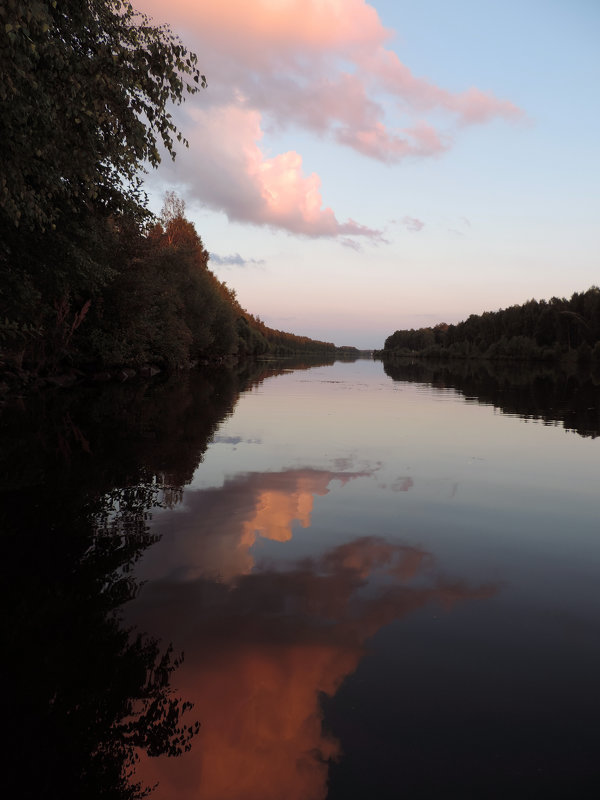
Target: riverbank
[{"x": 15, "y": 383}]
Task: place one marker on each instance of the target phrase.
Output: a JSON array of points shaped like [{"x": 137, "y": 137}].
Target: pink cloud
[
  {"x": 377, "y": 142},
  {"x": 227, "y": 170},
  {"x": 274, "y": 29},
  {"x": 470, "y": 106},
  {"x": 323, "y": 66},
  {"x": 292, "y": 59}
]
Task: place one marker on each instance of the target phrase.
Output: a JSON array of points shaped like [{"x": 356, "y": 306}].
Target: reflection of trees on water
[
  {"x": 80, "y": 474},
  {"x": 530, "y": 391},
  {"x": 84, "y": 693}
]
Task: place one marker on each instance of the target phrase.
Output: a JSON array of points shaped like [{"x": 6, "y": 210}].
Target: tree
[
  {"x": 85, "y": 89},
  {"x": 173, "y": 208}
]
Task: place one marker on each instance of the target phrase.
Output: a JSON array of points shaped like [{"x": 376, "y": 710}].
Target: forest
[
  {"x": 90, "y": 280},
  {"x": 548, "y": 330}
]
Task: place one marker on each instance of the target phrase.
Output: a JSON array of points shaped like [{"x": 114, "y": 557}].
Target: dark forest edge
[
  {"x": 162, "y": 308},
  {"x": 553, "y": 331},
  {"x": 90, "y": 281}
]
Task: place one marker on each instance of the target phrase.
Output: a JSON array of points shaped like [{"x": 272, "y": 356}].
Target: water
[{"x": 384, "y": 581}]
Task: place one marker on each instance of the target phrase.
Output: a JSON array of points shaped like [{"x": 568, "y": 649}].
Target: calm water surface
[
  {"x": 382, "y": 589},
  {"x": 384, "y": 581}
]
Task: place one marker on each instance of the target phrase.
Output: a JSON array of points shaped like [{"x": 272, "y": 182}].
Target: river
[{"x": 383, "y": 581}]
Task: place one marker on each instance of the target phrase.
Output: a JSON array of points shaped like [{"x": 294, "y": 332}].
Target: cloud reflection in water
[
  {"x": 261, "y": 645},
  {"x": 215, "y": 534}
]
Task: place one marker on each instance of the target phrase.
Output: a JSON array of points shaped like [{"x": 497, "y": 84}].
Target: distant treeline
[{"x": 546, "y": 330}]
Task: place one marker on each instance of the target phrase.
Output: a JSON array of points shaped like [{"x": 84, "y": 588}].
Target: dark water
[{"x": 384, "y": 583}]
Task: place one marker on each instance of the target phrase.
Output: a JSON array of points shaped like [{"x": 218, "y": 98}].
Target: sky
[{"x": 359, "y": 167}]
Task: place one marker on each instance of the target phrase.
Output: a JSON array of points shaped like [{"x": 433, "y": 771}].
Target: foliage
[
  {"x": 153, "y": 300},
  {"x": 275, "y": 342},
  {"x": 166, "y": 306},
  {"x": 85, "y": 90},
  {"x": 543, "y": 330}
]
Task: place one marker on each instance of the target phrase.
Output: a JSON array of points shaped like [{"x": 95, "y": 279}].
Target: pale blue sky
[{"x": 508, "y": 211}]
